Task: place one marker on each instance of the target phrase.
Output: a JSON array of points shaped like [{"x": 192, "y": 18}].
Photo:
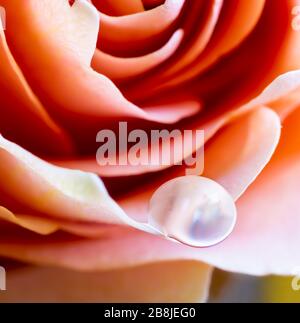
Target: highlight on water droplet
[{"x": 193, "y": 210}]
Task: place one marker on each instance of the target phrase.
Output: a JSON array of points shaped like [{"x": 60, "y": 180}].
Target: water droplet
[{"x": 193, "y": 210}]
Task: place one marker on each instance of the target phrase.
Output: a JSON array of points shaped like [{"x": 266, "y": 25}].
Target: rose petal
[
  {"x": 51, "y": 190},
  {"x": 235, "y": 166},
  {"x": 254, "y": 139},
  {"x": 283, "y": 94},
  {"x": 233, "y": 27},
  {"x": 151, "y": 283},
  {"x": 55, "y": 192},
  {"x": 32, "y": 116},
  {"x": 35, "y": 224},
  {"x": 90, "y": 164},
  {"x": 266, "y": 239},
  {"x": 134, "y": 247},
  {"x": 276, "y": 55},
  {"x": 117, "y": 68},
  {"x": 129, "y": 34},
  {"x": 64, "y": 45},
  {"x": 200, "y": 31},
  {"x": 44, "y": 225}
]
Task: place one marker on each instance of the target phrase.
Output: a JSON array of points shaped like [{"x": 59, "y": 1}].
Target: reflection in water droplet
[{"x": 193, "y": 210}]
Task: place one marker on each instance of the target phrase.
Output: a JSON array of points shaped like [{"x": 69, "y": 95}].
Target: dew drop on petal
[{"x": 193, "y": 210}]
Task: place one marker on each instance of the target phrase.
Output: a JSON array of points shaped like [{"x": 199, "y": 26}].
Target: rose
[{"x": 228, "y": 67}]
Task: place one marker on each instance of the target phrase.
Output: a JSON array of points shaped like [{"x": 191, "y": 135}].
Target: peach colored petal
[
  {"x": 276, "y": 55},
  {"x": 254, "y": 141},
  {"x": 117, "y": 68},
  {"x": 64, "y": 45},
  {"x": 288, "y": 58},
  {"x": 90, "y": 230},
  {"x": 129, "y": 33},
  {"x": 134, "y": 247},
  {"x": 18, "y": 99},
  {"x": 281, "y": 88},
  {"x": 35, "y": 224},
  {"x": 48, "y": 189},
  {"x": 229, "y": 33},
  {"x": 151, "y": 283},
  {"x": 233, "y": 158},
  {"x": 45, "y": 225},
  {"x": 203, "y": 33},
  {"x": 266, "y": 239},
  {"x": 90, "y": 164},
  {"x": 283, "y": 94},
  {"x": 56, "y": 192},
  {"x": 239, "y": 162},
  {"x": 286, "y": 104}
]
